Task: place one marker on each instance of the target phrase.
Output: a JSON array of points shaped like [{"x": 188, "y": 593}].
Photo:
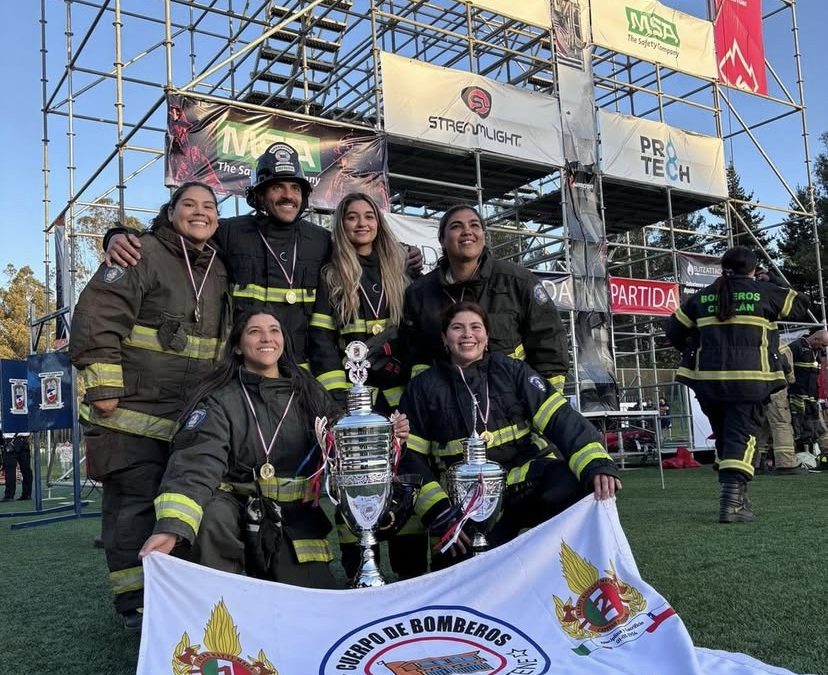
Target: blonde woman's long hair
[{"x": 343, "y": 273}]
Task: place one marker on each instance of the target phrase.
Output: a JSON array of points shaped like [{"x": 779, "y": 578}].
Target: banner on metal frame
[
  {"x": 535, "y": 12},
  {"x": 419, "y": 232},
  {"x": 461, "y": 110},
  {"x": 218, "y": 144},
  {"x": 696, "y": 270},
  {"x": 561, "y": 288},
  {"x": 651, "y": 152},
  {"x": 740, "y": 51},
  {"x": 653, "y": 32},
  {"x": 643, "y": 296},
  {"x": 50, "y": 391},
  {"x": 14, "y": 396}
]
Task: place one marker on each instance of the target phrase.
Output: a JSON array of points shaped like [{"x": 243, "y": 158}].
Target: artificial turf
[{"x": 756, "y": 588}]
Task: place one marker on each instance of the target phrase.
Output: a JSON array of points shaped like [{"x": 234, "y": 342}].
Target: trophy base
[
  {"x": 368, "y": 575},
  {"x": 480, "y": 544}
]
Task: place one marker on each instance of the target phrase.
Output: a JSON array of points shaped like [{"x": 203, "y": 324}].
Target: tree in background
[
  {"x": 21, "y": 290},
  {"x": 744, "y": 218},
  {"x": 689, "y": 232}
]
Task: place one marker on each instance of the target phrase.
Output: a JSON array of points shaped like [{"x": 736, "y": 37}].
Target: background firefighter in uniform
[
  {"x": 729, "y": 343},
  {"x": 525, "y": 322},
  {"x": 251, "y": 434},
  {"x": 17, "y": 452},
  {"x": 140, "y": 337},
  {"x": 274, "y": 256},
  {"x": 519, "y": 412},
  {"x": 804, "y": 392}
]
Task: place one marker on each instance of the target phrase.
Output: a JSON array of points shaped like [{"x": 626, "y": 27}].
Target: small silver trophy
[
  {"x": 482, "y": 480},
  {"x": 362, "y": 466}
]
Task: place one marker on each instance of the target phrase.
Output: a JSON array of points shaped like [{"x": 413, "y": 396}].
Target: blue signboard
[
  {"x": 50, "y": 392},
  {"x": 14, "y": 396}
]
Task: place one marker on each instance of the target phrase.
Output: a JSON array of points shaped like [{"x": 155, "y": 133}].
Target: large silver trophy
[
  {"x": 477, "y": 484},
  {"x": 362, "y": 466}
]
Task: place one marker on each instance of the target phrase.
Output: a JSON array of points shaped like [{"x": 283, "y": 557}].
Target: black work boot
[{"x": 734, "y": 506}]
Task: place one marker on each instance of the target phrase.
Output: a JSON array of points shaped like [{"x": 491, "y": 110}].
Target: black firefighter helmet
[{"x": 279, "y": 162}]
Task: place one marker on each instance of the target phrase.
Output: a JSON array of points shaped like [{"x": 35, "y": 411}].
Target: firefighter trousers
[
  {"x": 736, "y": 426},
  {"x": 777, "y": 431}
]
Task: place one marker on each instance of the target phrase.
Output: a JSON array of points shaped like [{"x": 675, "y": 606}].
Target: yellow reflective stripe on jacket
[
  {"x": 763, "y": 351},
  {"x": 267, "y": 294},
  {"x": 683, "y": 319},
  {"x": 333, "y": 379},
  {"x": 142, "y": 337},
  {"x": 806, "y": 364},
  {"x": 731, "y": 375},
  {"x": 788, "y": 304},
  {"x": 547, "y": 410},
  {"x": 417, "y": 444},
  {"x": 590, "y": 452},
  {"x": 430, "y": 495},
  {"x": 518, "y": 474},
  {"x": 285, "y": 489},
  {"x": 124, "y": 581},
  {"x": 322, "y": 321},
  {"x": 363, "y": 326},
  {"x": 393, "y": 395},
  {"x": 312, "y": 550},
  {"x": 103, "y": 375},
  {"x": 180, "y": 507},
  {"x": 519, "y": 353},
  {"x": 558, "y": 382},
  {"x": 738, "y": 320},
  {"x": 132, "y": 422},
  {"x": 419, "y": 368}
]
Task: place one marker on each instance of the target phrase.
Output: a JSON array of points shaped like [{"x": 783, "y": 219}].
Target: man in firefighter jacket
[
  {"x": 729, "y": 342},
  {"x": 274, "y": 256},
  {"x": 524, "y": 320},
  {"x": 804, "y": 391}
]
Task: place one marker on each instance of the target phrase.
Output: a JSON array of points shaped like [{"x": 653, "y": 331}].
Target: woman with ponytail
[{"x": 729, "y": 343}]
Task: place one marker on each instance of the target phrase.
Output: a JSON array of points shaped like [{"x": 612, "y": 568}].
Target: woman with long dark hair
[
  {"x": 730, "y": 358},
  {"x": 140, "y": 336}
]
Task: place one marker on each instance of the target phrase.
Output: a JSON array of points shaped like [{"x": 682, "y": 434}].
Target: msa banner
[
  {"x": 535, "y": 12},
  {"x": 651, "y": 152},
  {"x": 650, "y": 31},
  {"x": 642, "y": 296},
  {"x": 565, "y": 597},
  {"x": 461, "y": 110},
  {"x": 219, "y": 144},
  {"x": 697, "y": 271},
  {"x": 739, "y": 48}
]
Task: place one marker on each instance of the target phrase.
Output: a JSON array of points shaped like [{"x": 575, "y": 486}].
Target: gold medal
[
  {"x": 487, "y": 437},
  {"x": 377, "y": 329},
  {"x": 267, "y": 471},
  {"x": 291, "y": 297}
]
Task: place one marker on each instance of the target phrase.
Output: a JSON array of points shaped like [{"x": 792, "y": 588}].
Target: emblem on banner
[
  {"x": 51, "y": 397},
  {"x": 20, "y": 397},
  {"x": 222, "y": 653},
  {"x": 478, "y": 100},
  {"x": 607, "y": 611}
]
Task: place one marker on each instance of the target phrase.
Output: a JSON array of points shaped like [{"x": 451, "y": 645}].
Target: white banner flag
[
  {"x": 419, "y": 232},
  {"x": 652, "y": 32},
  {"x": 565, "y": 597},
  {"x": 651, "y": 152},
  {"x": 535, "y": 12},
  {"x": 462, "y": 110}
]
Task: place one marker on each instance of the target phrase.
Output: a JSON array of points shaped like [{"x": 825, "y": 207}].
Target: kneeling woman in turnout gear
[
  {"x": 140, "y": 337},
  {"x": 241, "y": 487},
  {"x": 519, "y": 412},
  {"x": 360, "y": 297},
  {"x": 730, "y": 358}
]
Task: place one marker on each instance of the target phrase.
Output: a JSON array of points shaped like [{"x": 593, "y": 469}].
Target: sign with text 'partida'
[{"x": 643, "y": 296}]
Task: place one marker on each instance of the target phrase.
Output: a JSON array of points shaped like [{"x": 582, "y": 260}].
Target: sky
[{"x": 21, "y": 177}]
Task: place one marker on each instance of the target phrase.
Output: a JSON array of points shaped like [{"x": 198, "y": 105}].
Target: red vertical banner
[{"x": 740, "y": 51}]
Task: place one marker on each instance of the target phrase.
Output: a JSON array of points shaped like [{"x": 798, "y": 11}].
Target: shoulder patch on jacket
[
  {"x": 537, "y": 382},
  {"x": 113, "y": 274},
  {"x": 195, "y": 419},
  {"x": 540, "y": 294}
]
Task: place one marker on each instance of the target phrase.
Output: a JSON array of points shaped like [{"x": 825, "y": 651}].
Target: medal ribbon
[
  {"x": 288, "y": 277},
  {"x": 197, "y": 292},
  {"x": 374, "y": 311},
  {"x": 483, "y": 417},
  {"x": 267, "y": 447}
]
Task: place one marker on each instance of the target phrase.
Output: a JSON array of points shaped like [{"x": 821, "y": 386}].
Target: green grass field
[{"x": 758, "y": 589}]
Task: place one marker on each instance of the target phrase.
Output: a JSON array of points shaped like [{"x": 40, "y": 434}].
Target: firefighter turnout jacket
[
  {"x": 218, "y": 449},
  {"x": 284, "y": 277},
  {"x": 737, "y": 359},
  {"x": 806, "y": 370},
  {"x": 329, "y": 335},
  {"x": 524, "y": 412},
  {"x": 139, "y": 335},
  {"x": 524, "y": 322}
]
